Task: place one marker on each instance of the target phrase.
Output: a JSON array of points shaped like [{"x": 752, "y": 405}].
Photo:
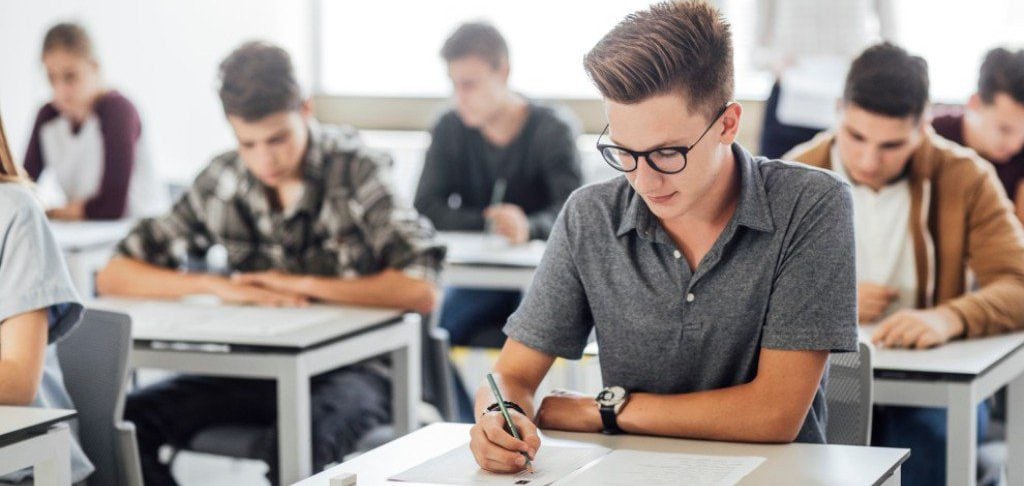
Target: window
[
  {"x": 547, "y": 41},
  {"x": 954, "y": 36}
]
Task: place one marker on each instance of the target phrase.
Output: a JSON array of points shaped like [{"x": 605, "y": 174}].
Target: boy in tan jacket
[{"x": 930, "y": 216}]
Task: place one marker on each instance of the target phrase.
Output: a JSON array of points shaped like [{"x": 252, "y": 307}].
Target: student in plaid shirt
[{"x": 305, "y": 214}]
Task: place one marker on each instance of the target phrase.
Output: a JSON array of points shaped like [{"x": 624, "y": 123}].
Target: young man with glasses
[{"x": 717, "y": 282}]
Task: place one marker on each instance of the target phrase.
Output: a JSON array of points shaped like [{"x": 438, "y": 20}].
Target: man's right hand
[
  {"x": 873, "y": 300},
  {"x": 239, "y": 293},
  {"x": 495, "y": 449}
]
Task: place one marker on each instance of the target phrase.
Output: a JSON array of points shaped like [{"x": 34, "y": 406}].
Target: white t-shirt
[
  {"x": 74, "y": 166},
  {"x": 885, "y": 248}
]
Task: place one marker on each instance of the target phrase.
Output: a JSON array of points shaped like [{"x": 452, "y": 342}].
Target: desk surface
[
  {"x": 82, "y": 235},
  {"x": 788, "y": 464},
  {"x": 20, "y": 420},
  {"x": 213, "y": 323},
  {"x": 958, "y": 359},
  {"x": 482, "y": 249},
  {"x": 963, "y": 358}
]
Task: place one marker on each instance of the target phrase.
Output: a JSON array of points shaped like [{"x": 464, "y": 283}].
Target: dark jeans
[
  {"x": 473, "y": 315},
  {"x": 923, "y": 431},
  {"x": 345, "y": 404},
  {"x": 776, "y": 138}
]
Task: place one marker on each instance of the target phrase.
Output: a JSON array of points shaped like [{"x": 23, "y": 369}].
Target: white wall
[{"x": 162, "y": 54}]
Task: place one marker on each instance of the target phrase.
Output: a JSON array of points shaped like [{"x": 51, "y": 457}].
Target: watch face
[{"x": 611, "y": 396}]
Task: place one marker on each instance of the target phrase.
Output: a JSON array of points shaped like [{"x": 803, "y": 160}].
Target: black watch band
[
  {"x": 609, "y": 420},
  {"x": 494, "y": 407}
]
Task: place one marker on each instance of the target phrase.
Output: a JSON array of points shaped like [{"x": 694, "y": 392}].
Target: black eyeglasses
[{"x": 667, "y": 160}]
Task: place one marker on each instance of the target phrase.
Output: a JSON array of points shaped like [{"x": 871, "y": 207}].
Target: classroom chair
[
  {"x": 94, "y": 361},
  {"x": 848, "y": 397}
]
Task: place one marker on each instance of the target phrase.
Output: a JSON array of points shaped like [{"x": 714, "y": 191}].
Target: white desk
[
  {"x": 482, "y": 261},
  {"x": 794, "y": 464},
  {"x": 958, "y": 376},
  {"x": 287, "y": 345},
  {"x": 87, "y": 245},
  {"x": 36, "y": 438}
]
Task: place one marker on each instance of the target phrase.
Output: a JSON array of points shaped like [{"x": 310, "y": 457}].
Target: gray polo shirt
[{"x": 780, "y": 276}]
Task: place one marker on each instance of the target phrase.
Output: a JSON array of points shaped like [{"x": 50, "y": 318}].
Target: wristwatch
[{"x": 610, "y": 401}]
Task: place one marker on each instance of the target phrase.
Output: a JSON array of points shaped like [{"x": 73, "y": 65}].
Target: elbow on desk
[
  {"x": 782, "y": 426},
  {"x": 423, "y": 298},
  {"x": 24, "y": 398},
  {"x": 106, "y": 281},
  {"x": 21, "y": 393},
  {"x": 114, "y": 278}
]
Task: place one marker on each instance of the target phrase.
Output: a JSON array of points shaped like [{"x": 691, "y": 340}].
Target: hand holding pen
[{"x": 494, "y": 441}]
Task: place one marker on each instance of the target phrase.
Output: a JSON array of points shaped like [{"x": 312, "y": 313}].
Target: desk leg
[
  {"x": 1015, "y": 431},
  {"x": 405, "y": 379},
  {"x": 55, "y": 469},
  {"x": 294, "y": 439},
  {"x": 962, "y": 438}
]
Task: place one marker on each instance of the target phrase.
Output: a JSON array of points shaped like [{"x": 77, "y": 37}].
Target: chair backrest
[
  {"x": 848, "y": 397},
  {"x": 94, "y": 361}
]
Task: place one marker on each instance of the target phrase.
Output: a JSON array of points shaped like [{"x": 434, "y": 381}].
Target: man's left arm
[
  {"x": 995, "y": 252},
  {"x": 770, "y": 408}
]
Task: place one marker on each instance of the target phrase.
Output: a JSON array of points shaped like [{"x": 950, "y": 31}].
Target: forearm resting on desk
[
  {"x": 133, "y": 278},
  {"x": 771, "y": 408},
  {"x": 389, "y": 288},
  {"x": 130, "y": 277}
]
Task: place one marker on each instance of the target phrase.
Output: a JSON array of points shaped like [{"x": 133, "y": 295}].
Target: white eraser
[{"x": 344, "y": 479}]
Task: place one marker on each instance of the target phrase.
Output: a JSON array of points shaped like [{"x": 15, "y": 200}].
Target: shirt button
[
  {"x": 677, "y": 254},
  {"x": 690, "y": 297}
]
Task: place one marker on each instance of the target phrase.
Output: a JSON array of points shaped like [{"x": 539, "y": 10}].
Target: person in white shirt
[{"x": 88, "y": 150}]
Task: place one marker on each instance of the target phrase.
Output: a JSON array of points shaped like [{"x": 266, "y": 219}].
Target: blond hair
[{"x": 9, "y": 171}]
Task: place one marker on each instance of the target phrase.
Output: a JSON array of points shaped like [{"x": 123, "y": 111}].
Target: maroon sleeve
[
  {"x": 34, "y": 155},
  {"x": 949, "y": 124},
  {"x": 121, "y": 127}
]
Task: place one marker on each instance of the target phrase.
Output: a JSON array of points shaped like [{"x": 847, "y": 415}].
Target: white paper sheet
[
  {"x": 485, "y": 249},
  {"x": 631, "y": 467},
  {"x": 212, "y": 320},
  {"x": 458, "y": 466}
]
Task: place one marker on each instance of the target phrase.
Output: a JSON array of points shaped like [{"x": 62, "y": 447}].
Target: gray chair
[
  {"x": 94, "y": 361},
  {"x": 247, "y": 441},
  {"x": 848, "y": 397}
]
